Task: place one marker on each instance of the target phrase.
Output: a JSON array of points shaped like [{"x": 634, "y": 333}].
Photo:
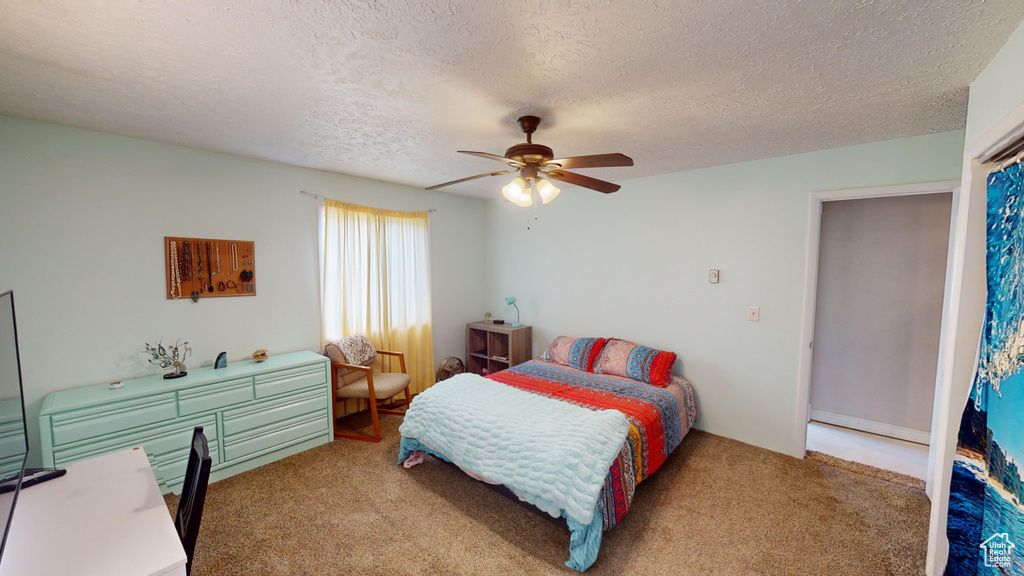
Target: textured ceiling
[{"x": 390, "y": 89}]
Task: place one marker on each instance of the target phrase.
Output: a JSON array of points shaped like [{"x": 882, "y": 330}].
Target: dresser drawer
[
  {"x": 259, "y": 414},
  {"x": 214, "y": 396},
  {"x": 12, "y": 441},
  {"x": 290, "y": 380},
  {"x": 103, "y": 419},
  {"x": 158, "y": 441},
  {"x": 12, "y": 437},
  {"x": 271, "y": 437},
  {"x": 170, "y": 468}
]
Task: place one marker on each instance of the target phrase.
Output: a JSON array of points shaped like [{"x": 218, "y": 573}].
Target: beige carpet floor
[
  {"x": 717, "y": 506},
  {"x": 866, "y": 470}
]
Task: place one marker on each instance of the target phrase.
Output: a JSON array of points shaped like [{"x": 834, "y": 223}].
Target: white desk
[{"x": 105, "y": 517}]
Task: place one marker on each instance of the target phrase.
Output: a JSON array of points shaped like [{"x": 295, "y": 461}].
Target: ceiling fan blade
[
  {"x": 594, "y": 161},
  {"x": 508, "y": 161},
  {"x": 498, "y": 173},
  {"x": 585, "y": 181}
]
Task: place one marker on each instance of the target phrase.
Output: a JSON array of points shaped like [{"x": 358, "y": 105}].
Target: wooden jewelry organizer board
[{"x": 209, "y": 268}]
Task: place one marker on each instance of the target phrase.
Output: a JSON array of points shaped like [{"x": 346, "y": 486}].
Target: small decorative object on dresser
[
  {"x": 169, "y": 357},
  {"x": 260, "y": 355},
  {"x": 222, "y": 360}
]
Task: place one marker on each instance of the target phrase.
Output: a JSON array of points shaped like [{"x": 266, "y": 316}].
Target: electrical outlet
[
  {"x": 754, "y": 313},
  {"x": 713, "y": 276}
]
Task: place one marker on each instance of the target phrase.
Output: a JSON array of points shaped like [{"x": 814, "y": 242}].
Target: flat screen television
[{"x": 13, "y": 434}]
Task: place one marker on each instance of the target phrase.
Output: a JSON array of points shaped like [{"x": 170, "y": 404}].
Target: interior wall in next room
[{"x": 881, "y": 274}]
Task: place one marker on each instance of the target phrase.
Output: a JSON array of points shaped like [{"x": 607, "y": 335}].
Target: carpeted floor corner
[{"x": 717, "y": 506}]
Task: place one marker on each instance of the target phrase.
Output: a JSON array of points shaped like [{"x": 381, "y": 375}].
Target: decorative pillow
[
  {"x": 640, "y": 363},
  {"x": 351, "y": 350},
  {"x": 357, "y": 349},
  {"x": 578, "y": 353}
]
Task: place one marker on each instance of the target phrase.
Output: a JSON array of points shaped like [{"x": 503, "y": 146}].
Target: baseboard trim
[{"x": 880, "y": 428}]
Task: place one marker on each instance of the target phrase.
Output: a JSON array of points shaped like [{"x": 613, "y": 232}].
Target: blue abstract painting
[{"x": 986, "y": 518}]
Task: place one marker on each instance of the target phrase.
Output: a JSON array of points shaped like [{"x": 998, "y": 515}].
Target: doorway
[{"x": 877, "y": 267}]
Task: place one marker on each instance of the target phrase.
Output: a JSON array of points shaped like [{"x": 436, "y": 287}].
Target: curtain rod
[
  {"x": 319, "y": 197},
  {"x": 1007, "y": 152},
  {"x": 1012, "y": 160}
]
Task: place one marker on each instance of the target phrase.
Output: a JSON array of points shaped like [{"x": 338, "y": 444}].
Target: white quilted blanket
[{"x": 553, "y": 454}]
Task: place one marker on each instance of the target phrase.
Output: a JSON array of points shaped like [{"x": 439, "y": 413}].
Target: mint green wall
[
  {"x": 634, "y": 265},
  {"x": 82, "y": 221},
  {"x": 998, "y": 89},
  {"x": 84, "y": 215}
]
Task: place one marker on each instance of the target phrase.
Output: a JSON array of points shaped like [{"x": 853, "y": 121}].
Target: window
[{"x": 375, "y": 281}]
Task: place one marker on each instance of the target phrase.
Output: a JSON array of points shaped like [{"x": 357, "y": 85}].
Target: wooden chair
[
  {"x": 359, "y": 381},
  {"x": 193, "y": 494}
]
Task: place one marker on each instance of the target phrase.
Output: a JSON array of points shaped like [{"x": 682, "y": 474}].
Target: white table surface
[{"x": 105, "y": 517}]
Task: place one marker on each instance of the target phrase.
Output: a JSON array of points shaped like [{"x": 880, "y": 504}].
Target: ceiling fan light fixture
[
  {"x": 512, "y": 190},
  {"x": 518, "y": 192},
  {"x": 546, "y": 190}
]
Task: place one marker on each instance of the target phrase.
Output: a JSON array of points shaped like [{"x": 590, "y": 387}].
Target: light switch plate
[{"x": 713, "y": 276}]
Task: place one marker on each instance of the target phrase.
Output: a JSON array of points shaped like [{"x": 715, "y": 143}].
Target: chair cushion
[{"x": 385, "y": 385}]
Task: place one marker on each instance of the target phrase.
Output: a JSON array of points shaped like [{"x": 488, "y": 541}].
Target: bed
[{"x": 604, "y": 432}]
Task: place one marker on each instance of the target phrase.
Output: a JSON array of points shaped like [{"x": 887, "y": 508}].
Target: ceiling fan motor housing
[{"x": 530, "y": 154}]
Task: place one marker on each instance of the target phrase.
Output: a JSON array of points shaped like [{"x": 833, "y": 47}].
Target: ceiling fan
[{"x": 532, "y": 161}]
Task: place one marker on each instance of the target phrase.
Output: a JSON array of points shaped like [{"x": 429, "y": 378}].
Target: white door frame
[
  {"x": 961, "y": 322},
  {"x": 811, "y": 281}
]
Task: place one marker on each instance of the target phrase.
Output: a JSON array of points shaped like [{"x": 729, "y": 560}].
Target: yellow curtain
[{"x": 375, "y": 281}]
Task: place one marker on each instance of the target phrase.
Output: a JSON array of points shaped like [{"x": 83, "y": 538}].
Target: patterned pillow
[
  {"x": 351, "y": 350},
  {"x": 640, "y": 363},
  {"x": 357, "y": 349},
  {"x": 578, "y": 353}
]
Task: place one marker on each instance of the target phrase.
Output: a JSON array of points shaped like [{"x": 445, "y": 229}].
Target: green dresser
[
  {"x": 12, "y": 438},
  {"x": 252, "y": 414}
]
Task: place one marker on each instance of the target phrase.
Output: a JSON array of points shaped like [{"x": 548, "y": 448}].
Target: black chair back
[{"x": 193, "y": 494}]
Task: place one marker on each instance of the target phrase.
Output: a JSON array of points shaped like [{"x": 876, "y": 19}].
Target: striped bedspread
[{"x": 658, "y": 419}]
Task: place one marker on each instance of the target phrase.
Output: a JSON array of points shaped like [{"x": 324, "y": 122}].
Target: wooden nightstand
[{"x": 494, "y": 347}]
